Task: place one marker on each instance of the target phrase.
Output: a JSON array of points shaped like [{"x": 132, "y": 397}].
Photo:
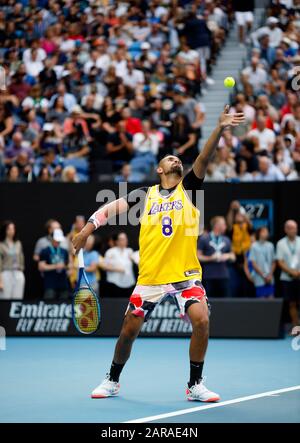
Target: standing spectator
[
  {"x": 91, "y": 261},
  {"x": 46, "y": 240},
  {"x": 239, "y": 228},
  {"x": 53, "y": 264},
  {"x": 12, "y": 280},
  {"x": 288, "y": 256},
  {"x": 214, "y": 251},
  {"x": 199, "y": 37},
  {"x": 262, "y": 257},
  {"x": 244, "y": 17},
  {"x": 122, "y": 279}
]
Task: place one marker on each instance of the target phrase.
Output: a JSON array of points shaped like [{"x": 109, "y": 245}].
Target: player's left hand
[{"x": 231, "y": 120}]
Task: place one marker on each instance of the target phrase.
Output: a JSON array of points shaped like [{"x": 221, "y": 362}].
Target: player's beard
[{"x": 176, "y": 169}]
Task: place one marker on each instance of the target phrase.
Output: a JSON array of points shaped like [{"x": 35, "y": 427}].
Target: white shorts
[
  {"x": 244, "y": 17},
  {"x": 145, "y": 298}
]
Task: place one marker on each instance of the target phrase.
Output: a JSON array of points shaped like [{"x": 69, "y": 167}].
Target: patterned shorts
[{"x": 145, "y": 298}]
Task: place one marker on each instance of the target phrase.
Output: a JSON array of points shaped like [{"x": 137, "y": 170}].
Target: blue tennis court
[{"x": 50, "y": 380}]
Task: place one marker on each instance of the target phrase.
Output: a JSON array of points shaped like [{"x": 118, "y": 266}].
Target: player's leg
[
  {"x": 141, "y": 304},
  {"x": 130, "y": 330},
  {"x": 199, "y": 315}
]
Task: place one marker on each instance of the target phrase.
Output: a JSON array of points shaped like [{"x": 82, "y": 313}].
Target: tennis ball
[{"x": 229, "y": 82}]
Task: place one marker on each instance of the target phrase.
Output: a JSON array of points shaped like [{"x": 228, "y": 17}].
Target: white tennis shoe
[
  {"x": 106, "y": 389},
  {"x": 199, "y": 392}
]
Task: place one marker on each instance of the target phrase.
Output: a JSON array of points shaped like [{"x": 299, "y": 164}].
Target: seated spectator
[
  {"x": 225, "y": 164},
  {"x": 262, "y": 256},
  {"x": 266, "y": 137},
  {"x": 255, "y": 75},
  {"x": 6, "y": 122},
  {"x": 58, "y": 112},
  {"x": 53, "y": 264},
  {"x": 242, "y": 175},
  {"x": 213, "y": 174},
  {"x": 247, "y": 153},
  {"x": 15, "y": 148},
  {"x": 69, "y": 175},
  {"x": 272, "y": 30},
  {"x": 145, "y": 149},
  {"x": 268, "y": 172},
  {"x": 119, "y": 145},
  {"x": 214, "y": 252},
  {"x": 51, "y": 162},
  {"x": 13, "y": 174},
  {"x": 183, "y": 140}
]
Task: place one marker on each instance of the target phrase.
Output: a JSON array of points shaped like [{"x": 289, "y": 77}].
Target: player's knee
[
  {"x": 201, "y": 324},
  {"x": 129, "y": 333}
]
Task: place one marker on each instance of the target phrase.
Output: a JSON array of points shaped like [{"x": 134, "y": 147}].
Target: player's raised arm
[
  {"x": 226, "y": 120},
  {"x": 99, "y": 218}
]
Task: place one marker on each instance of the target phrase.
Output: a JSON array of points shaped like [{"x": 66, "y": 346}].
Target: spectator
[
  {"x": 145, "y": 149},
  {"x": 262, "y": 257},
  {"x": 183, "y": 139},
  {"x": 241, "y": 171},
  {"x": 69, "y": 175},
  {"x": 122, "y": 278},
  {"x": 119, "y": 146},
  {"x": 288, "y": 256},
  {"x": 15, "y": 148},
  {"x": 268, "y": 172},
  {"x": 272, "y": 30},
  {"x": 46, "y": 240},
  {"x": 12, "y": 280},
  {"x": 53, "y": 264},
  {"x": 255, "y": 75},
  {"x": 239, "y": 228},
  {"x": 198, "y": 37},
  {"x": 266, "y": 137},
  {"x": 91, "y": 261},
  {"x": 214, "y": 251},
  {"x": 244, "y": 17}
]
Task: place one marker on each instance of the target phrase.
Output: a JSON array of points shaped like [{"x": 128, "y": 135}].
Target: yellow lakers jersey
[{"x": 168, "y": 238}]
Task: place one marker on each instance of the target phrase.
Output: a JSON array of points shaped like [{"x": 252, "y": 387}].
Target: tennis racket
[{"x": 85, "y": 307}]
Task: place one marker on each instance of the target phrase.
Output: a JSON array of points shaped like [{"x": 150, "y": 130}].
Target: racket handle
[{"x": 80, "y": 259}]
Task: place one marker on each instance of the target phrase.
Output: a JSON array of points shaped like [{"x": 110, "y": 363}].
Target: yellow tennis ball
[{"x": 229, "y": 82}]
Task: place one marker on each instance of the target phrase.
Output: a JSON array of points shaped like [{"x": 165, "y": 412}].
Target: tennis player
[{"x": 168, "y": 260}]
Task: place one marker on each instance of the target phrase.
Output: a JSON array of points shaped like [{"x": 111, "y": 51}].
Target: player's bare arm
[
  {"x": 99, "y": 218},
  {"x": 226, "y": 120}
]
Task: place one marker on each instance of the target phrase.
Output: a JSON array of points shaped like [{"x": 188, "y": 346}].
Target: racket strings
[{"x": 86, "y": 311}]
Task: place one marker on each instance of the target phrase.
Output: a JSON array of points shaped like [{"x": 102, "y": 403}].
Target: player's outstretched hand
[
  {"x": 79, "y": 241},
  {"x": 230, "y": 120}
]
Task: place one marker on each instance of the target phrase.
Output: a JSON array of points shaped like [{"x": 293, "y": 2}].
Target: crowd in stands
[
  {"x": 89, "y": 87},
  {"x": 99, "y": 88},
  {"x": 237, "y": 261}
]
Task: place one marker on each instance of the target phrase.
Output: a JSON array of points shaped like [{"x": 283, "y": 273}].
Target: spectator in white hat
[{"x": 272, "y": 30}]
